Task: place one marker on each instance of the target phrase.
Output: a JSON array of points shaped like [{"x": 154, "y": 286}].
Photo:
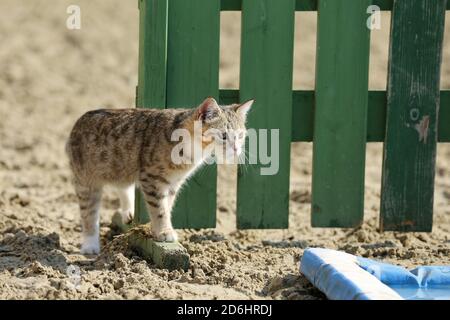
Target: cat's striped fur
[{"x": 122, "y": 147}]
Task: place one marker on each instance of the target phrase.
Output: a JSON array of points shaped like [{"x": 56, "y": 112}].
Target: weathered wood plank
[
  {"x": 340, "y": 114},
  {"x": 266, "y": 76},
  {"x": 166, "y": 255},
  {"x": 412, "y": 115}
]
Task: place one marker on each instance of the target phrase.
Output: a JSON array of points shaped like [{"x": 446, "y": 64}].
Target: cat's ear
[
  {"x": 243, "y": 109},
  {"x": 208, "y": 110}
]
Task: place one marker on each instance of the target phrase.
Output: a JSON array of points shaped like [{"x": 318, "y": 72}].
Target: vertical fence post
[
  {"x": 266, "y": 76},
  {"x": 151, "y": 90},
  {"x": 340, "y": 121},
  {"x": 193, "y": 75},
  {"x": 412, "y": 115}
]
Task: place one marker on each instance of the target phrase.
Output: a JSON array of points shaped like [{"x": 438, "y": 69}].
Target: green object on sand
[{"x": 166, "y": 255}]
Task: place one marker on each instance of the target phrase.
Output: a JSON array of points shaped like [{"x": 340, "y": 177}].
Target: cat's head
[{"x": 223, "y": 126}]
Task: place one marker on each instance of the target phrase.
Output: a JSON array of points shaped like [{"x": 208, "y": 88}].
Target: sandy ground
[{"x": 50, "y": 75}]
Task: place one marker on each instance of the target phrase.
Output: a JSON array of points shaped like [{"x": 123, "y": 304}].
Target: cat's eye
[
  {"x": 241, "y": 135},
  {"x": 224, "y": 136}
]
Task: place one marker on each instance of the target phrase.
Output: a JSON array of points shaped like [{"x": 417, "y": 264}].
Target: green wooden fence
[{"x": 179, "y": 66}]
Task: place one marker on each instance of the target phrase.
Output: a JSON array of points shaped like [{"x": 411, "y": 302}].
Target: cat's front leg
[
  {"x": 156, "y": 195},
  {"x": 161, "y": 223}
]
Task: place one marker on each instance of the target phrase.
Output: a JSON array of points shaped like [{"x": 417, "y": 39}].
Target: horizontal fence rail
[
  {"x": 304, "y": 5},
  {"x": 303, "y": 114}
]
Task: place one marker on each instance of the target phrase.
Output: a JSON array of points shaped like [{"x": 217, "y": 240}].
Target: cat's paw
[
  {"x": 166, "y": 235},
  {"x": 91, "y": 245},
  {"x": 127, "y": 216}
]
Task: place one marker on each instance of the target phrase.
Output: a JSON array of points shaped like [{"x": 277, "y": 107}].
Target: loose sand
[{"x": 50, "y": 75}]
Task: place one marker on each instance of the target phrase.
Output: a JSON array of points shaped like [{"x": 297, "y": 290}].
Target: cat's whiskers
[{"x": 243, "y": 164}]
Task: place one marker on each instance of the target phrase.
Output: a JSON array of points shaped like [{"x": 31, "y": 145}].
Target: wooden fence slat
[
  {"x": 306, "y": 5},
  {"x": 340, "y": 114},
  {"x": 412, "y": 115},
  {"x": 151, "y": 90},
  {"x": 193, "y": 75},
  {"x": 266, "y": 76}
]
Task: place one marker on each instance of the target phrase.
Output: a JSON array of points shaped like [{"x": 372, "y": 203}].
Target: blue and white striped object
[{"x": 342, "y": 276}]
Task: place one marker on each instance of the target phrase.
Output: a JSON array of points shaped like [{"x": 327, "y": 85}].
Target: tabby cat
[{"x": 124, "y": 147}]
